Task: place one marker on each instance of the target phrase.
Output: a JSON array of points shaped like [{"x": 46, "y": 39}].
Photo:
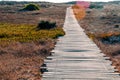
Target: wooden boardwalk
[{"x": 76, "y": 57}]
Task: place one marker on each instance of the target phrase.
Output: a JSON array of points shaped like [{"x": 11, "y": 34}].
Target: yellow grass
[
  {"x": 25, "y": 33},
  {"x": 102, "y": 35}
]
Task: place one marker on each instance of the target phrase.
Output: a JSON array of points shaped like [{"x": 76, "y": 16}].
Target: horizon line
[{"x": 52, "y": 2}]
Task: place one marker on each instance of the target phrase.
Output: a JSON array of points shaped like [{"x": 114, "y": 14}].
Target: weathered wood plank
[{"x": 76, "y": 57}]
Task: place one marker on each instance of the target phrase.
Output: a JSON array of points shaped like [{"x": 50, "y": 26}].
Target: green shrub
[
  {"x": 46, "y": 25},
  {"x": 95, "y": 6},
  {"x": 4, "y": 35},
  {"x": 31, "y": 7},
  {"x": 116, "y": 26}
]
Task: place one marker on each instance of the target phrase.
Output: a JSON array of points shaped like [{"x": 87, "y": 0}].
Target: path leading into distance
[{"x": 76, "y": 57}]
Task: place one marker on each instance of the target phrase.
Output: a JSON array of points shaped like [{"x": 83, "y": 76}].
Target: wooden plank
[{"x": 76, "y": 57}]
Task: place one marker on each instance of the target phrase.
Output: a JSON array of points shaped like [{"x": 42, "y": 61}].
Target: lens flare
[{"x": 79, "y": 9}]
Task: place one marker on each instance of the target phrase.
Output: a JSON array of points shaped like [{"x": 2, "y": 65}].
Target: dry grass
[
  {"x": 22, "y": 57},
  {"x": 26, "y": 33},
  {"x": 11, "y": 14},
  {"x": 97, "y": 26},
  {"x": 23, "y": 60}
]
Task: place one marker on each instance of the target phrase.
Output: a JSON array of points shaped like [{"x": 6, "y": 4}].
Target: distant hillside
[
  {"x": 115, "y": 2},
  {"x": 100, "y": 3},
  {"x": 21, "y": 2},
  {"x": 72, "y": 2}
]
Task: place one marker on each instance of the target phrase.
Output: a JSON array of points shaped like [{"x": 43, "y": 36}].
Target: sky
[{"x": 58, "y": 1}]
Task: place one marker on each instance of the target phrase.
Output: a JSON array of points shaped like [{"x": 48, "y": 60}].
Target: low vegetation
[
  {"x": 31, "y": 7},
  {"x": 102, "y": 26},
  {"x": 23, "y": 47},
  {"x": 46, "y": 25},
  {"x": 106, "y": 38},
  {"x": 26, "y": 33},
  {"x": 94, "y": 6}
]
